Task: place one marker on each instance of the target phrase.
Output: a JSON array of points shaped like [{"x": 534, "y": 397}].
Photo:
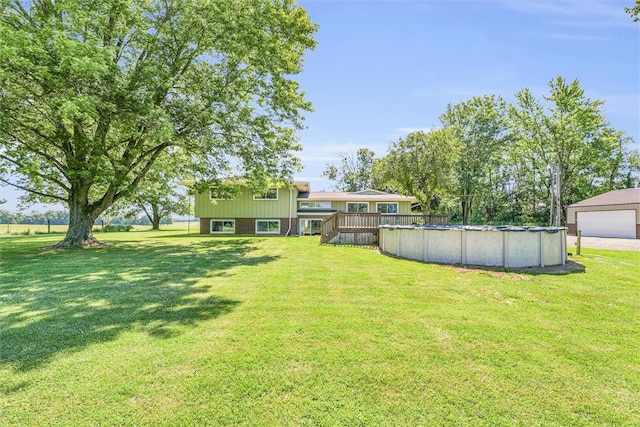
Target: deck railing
[
  {"x": 414, "y": 219},
  {"x": 347, "y": 222}
]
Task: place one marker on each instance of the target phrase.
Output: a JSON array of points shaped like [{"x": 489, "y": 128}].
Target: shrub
[{"x": 116, "y": 227}]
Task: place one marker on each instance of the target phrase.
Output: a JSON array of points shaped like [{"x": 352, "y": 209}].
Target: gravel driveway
[{"x": 606, "y": 243}]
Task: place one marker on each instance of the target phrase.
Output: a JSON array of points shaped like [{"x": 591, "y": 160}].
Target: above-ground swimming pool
[{"x": 505, "y": 246}]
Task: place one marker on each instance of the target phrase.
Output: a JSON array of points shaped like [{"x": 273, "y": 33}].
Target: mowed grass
[
  {"x": 26, "y": 229},
  {"x": 162, "y": 328},
  {"x": 9, "y": 229}
]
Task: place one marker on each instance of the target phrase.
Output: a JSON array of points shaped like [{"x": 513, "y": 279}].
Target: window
[
  {"x": 387, "y": 208},
  {"x": 223, "y": 226},
  {"x": 268, "y": 226},
  {"x": 358, "y": 207},
  {"x": 270, "y": 194},
  {"x": 224, "y": 192},
  {"x": 304, "y": 205},
  {"x": 213, "y": 195}
]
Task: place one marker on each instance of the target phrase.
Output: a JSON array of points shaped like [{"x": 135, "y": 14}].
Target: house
[
  {"x": 612, "y": 214},
  {"x": 294, "y": 209}
]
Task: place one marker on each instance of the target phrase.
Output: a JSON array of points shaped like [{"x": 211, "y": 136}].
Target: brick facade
[
  {"x": 205, "y": 225},
  {"x": 245, "y": 226}
]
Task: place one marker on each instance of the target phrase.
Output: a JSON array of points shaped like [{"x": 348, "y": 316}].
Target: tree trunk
[
  {"x": 466, "y": 209},
  {"x": 154, "y": 216},
  {"x": 80, "y": 231},
  {"x": 425, "y": 206}
]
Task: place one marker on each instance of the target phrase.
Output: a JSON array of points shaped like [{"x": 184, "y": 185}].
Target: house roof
[
  {"x": 302, "y": 186},
  {"x": 360, "y": 196},
  {"x": 615, "y": 197},
  {"x": 317, "y": 211}
]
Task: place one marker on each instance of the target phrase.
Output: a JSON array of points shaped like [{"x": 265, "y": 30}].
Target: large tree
[
  {"x": 354, "y": 172},
  {"x": 159, "y": 195},
  {"x": 564, "y": 135},
  {"x": 421, "y": 164},
  {"x": 92, "y": 93},
  {"x": 480, "y": 125}
]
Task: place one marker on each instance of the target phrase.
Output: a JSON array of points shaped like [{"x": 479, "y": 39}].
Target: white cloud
[{"x": 580, "y": 37}]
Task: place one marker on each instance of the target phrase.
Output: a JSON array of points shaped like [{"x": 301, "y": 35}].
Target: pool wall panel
[{"x": 510, "y": 247}]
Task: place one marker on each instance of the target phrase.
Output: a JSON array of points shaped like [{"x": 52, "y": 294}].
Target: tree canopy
[
  {"x": 421, "y": 165},
  {"x": 566, "y": 133},
  {"x": 480, "y": 125},
  {"x": 160, "y": 194},
  {"x": 354, "y": 172},
  {"x": 93, "y": 93},
  {"x": 502, "y": 162}
]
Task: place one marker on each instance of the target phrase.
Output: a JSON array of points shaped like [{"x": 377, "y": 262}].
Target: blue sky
[{"x": 384, "y": 68}]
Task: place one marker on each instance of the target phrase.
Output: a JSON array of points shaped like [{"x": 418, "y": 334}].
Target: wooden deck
[{"x": 359, "y": 223}]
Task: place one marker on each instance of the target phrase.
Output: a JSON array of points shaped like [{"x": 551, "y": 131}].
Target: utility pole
[
  {"x": 558, "y": 195},
  {"x": 553, "y": 197},
  {"x": 189, "y": 215}
]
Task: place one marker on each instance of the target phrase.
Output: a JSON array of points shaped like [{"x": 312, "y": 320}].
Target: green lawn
[
  {"x": 27, "y": 229},
  {"x": 168, "y": 329}
]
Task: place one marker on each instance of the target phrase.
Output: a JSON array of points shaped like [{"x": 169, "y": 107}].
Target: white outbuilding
[{"x": 612, "y": 214}]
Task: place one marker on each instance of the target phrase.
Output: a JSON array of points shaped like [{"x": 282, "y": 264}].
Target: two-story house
[{"x": 290, "y": 209}]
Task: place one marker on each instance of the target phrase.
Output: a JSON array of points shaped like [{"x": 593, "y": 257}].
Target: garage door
[{"x": 608, "y": 224}]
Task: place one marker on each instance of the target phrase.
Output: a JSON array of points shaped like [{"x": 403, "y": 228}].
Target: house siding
[
  {"x": 244, "y": 210},
  {"x": 245, "y": 207}
]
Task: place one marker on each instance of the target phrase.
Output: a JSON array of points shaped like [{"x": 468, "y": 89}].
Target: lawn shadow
[
  {"x": 569, "y": 267},
  {"x": 58, "y": 301}
]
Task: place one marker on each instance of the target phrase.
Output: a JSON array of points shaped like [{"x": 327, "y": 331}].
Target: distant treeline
[{"x": 62, "y": 218}]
